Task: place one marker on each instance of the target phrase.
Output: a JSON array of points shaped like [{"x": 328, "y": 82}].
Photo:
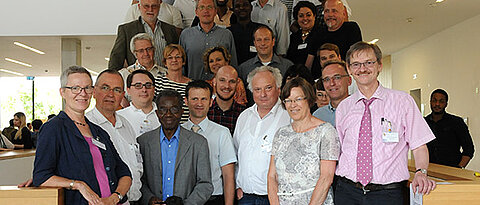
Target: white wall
[
  {"x": 61, "y": 17},
  {"x": 17, "y": 170},
  {"x": 450, "y": 60}
]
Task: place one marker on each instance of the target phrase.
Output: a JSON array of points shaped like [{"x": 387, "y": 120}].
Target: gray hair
[
  {"x": 71, "y": 70},
  {"x": 140, "y": 36},
  {"x": 275, "y": 72},
  {"x": 214, "y": 4}
]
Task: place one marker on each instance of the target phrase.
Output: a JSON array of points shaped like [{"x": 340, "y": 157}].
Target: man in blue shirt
[{"x": 176, "y": 160}]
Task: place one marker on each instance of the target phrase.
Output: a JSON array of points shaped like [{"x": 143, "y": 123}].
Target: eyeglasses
[
  {"x": 334, "y": 78},
  {"x": 107, "y": 89},
  {"x": 153, "y": 6},
  {"x": 172, "y": 57},
  {"x": 209, "y": 7},
  {"x": 77, "y": 89},
  {"x": 288, "y": 101},
  {"x": 140, "y": 85},
  {"x": 367, "y": 64},
  {"x": 174, "y": 110},
  {"x": 148, "y": 49}
]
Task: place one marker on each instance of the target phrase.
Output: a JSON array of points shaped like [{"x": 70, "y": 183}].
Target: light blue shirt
[
  {"x": 326, "y": 113},
  {"x": 169, "y": 150}
]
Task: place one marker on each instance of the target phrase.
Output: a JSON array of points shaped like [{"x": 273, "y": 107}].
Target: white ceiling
[{"x": 382, "y": 19}]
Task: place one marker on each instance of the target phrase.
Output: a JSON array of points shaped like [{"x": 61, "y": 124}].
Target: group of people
[{"x": 25, "y": 137}]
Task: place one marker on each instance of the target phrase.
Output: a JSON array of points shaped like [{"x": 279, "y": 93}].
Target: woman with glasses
[
  {"x": 76, "y": 154},
  {"x": 322, "y": 97},
  {"x": 22, "y": 138},
  {"x": 174, "y": 59},
  {"x": 304, "y": 153},
  {"x": 215, "y": 58}
]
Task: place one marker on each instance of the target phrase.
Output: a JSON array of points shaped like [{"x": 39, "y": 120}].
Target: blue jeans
[
  {"x": 251, "y": 199},
  {"x": 347, "y": 194}
]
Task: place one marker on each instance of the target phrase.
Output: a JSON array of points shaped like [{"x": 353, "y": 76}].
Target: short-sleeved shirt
[
  {"x": 297, "y": 161},
  {"x": 140, "y": 121},
  {"x": 326, "y": 113},
  {"x": 389, "y": 158}
]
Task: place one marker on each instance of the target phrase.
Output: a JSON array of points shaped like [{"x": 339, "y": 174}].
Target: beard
[{"x": 227, "y": 98}]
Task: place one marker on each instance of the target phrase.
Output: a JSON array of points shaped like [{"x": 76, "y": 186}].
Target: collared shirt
[
  {"x": 158, "y": 37},
  {"x": 226, "y": 118},
  {"x": 169, "y": 150},
  {"x": 389, "y": 158},
  {"x": 243, "y": 37},
  {"x": 451, "y": 133},
  {"x": 220, "y": 146},
  {"x": 195, "y": 41},
  {"x": 274, "y": 14},
  {"x": 187, "y": 8},
  {"x": 123, "y": 138},
  {"x": 326, "y": 113},
  {"x": 253, "y": 138},
  {"x": 140, "y": 121},
  {"x": 167, "y": 13},
  {"x": 156, "y": 69}
]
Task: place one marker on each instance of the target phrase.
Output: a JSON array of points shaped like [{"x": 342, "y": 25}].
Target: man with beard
[
  {"x": 224, "y": 109},
  {"x": 451, "y": 134}
]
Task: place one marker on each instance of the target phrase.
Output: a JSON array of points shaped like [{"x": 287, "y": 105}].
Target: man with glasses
[
  {"x": 335, "y": 80},
  {"x": 162, "y": 33},
  {"x": 176, "y": 160},
  {"x": 141, "y": 112},
  {"x": 376, "y": 127},
  {"x": 330, "y": 52},
  {"x": 195, "y": 40}
]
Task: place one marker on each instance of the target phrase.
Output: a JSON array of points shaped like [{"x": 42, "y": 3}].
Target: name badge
[
  {"x": 390, "y": 136},
  {"x": 302, "y": 46},
  {"x": 98, "y": 144},
  {"x": 266, "y": 145},
  {"x": 253, "y": 49}
]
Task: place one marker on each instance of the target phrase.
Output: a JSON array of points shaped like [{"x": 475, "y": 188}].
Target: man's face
[
  {"x": 206, "y": 11},
  {"x": 225, "y": 82},
  {"x": 108, "y": 92},
  {"x": 438, "y": 103},
  {"x": 221, "y": 3},
  {"x": 198, "y": 102},
  {"x": 334, "y": 14},
  {"x": 336, "y": 89},
  {"x": 263, "y": 41},
  {"x": 149, "y": 10},
  {"x": 265, "y": 90},
  {"x": 169, "y": 112},
  {"x": 364, "y": 67},
  {"x": 141, "y": 96},
  {"x": 144, "y": 51},
  {"x": 328, "y": 55},
  {"x": 242, "y": 9}
]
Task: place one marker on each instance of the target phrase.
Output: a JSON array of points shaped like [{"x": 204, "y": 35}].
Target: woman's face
[
  {"x": 322, "y": 98},
  {"x": 16, "y": 121},
  {"x": 305, "y": 19},
  {"x": 216, "y": 61},
  {"x": 77, "y": 102},
  {"x": 297, "y": 104},
  {"x": 174, "y": 61}
]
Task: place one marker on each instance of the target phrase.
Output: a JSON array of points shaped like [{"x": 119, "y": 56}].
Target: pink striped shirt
[
  {"x": 100, "y": 172},
  {"x": 389, "y": 158}
]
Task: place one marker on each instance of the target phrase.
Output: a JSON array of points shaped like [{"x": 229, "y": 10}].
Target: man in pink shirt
[{"x": 377, "y": 126}]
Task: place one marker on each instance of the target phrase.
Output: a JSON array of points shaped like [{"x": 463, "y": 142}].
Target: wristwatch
[
  {"x": 424, "y": 171},
  {"x": 120, "y": 197}
]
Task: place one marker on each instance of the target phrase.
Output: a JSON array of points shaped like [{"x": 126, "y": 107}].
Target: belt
[
  {"x": 261, "y": 196},
  {"x": 215, "y": 197},
  {"x": 374, "y": 187}
]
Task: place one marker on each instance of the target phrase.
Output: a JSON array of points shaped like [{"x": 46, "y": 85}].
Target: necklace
[
  {"x": 305, "y": 34},
  {"x": 79, "y": 123}
]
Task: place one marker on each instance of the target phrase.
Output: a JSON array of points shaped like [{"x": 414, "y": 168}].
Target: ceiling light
[
  {"x": 11, "y": 72},
  {"x": 107, "y": 59},
  {"x": 18, "y": 62},
  {"x": 373, "y": 41},
  {"x": 439, "y": 1},
  {"x": 28, "y": 47}
]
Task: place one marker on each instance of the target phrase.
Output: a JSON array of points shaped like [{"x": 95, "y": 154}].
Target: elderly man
[
  {"x": 167, "y": 13},
  {"x": 108, "y": 93},
  {"x": 222, "y": 153},
  {"x": 176, "y": 160},
  {"x": 225, "y": 110},
  {"x": 253, "y": 136},
  {"x": 377, "y": 126},
  {"x": 141, "y": 112},
  {"x": 162, "y": 33},
  {"x": 196, "y": 40}
]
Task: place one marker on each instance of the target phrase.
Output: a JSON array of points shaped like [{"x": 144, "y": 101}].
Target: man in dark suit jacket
[
  {"x": 121, "y": 49},
  {"x": 175, "y": 160}
]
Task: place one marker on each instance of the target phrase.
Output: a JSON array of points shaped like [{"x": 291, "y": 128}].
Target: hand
[
  {"x": 424, "y": 184},
  {"x": 87, "y": 193},
  {"x": 111, "y": 200},
  {"x": 26, "y": 183},
  {"x": 155, "y": 200},
  {"x": 239, "y": 193}
]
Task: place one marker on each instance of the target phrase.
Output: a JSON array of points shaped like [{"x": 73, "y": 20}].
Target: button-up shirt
[
  {"x": 220, "y": 146},
  {"x": 169, "y": 150},
  {"x": 158, "y": 37},
  {"x": 167, "y": 13},
  {"x": 123, "y": 138},
  {"x": 195, "y": 41},
  {"x": 187, "y": 8},
  {"x": 326, "y": 113},
  {"x": 140, "y": 121},
  {"x": 226, "y": 118},
  {"x": 389, "y": 158},
  {"x": 253, "y": 139}
]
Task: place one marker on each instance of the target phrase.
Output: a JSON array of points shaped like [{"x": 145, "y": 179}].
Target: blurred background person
[
  {"x": 5, "y": 144},
  {"x": 8, "y": 130},
  {"x": 36, "y": 124},
  {"x": 22, "y": 138}
]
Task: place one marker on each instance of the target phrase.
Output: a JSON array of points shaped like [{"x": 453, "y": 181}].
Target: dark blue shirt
[
  {"x": 62, "y": 151},
  {"x": 169, "y": 154}
]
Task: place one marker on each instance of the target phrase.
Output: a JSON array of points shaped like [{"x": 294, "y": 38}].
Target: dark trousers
[
  {"x": 252, "y": 199},
  {"x": 216, "y": 200},
  {"x": 348, "y": 194}
]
